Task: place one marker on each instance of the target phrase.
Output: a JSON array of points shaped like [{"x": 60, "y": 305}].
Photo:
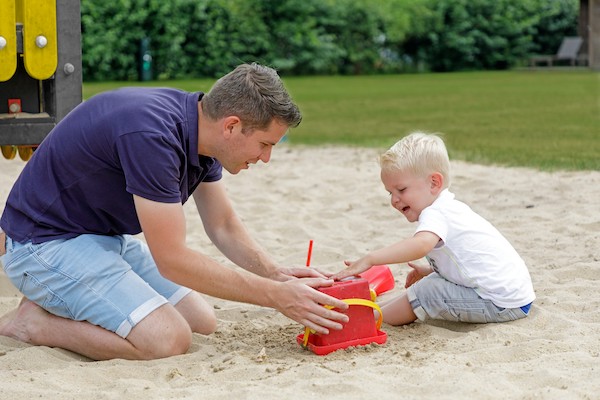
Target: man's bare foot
[{"x": 21, "y": 322}]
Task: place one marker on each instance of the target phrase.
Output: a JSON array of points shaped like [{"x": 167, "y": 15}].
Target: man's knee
[
  {"x": 176, "y": 343},
  {"x": 163, "y": 333},
  {"x": 198, "y": 313},
  {"x": 205, "y": 326}
]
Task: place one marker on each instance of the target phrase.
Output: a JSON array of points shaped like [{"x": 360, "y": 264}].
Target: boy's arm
[{"x": 406, "y": 250}]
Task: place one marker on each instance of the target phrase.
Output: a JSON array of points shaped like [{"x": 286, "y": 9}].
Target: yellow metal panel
[
  {"x": 8, "y": 40},
  {"x": 40, "y": 51},
  {"x": 19, "y": 11}
]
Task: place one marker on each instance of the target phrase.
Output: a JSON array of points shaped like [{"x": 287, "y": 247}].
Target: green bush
[
  {"x": 207, "y": 38},
  {"x": 479, "y": 34},
  {"x": 557, "y": 19}
]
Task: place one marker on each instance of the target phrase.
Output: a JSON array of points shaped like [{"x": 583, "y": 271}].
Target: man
[{"x": 122, "y": 163}]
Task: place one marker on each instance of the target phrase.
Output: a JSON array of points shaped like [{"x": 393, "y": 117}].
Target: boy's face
[{"x": 410, "y": 194}]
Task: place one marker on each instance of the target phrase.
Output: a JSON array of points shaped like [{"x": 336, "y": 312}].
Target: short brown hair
[{"x": 255, "y": 94}]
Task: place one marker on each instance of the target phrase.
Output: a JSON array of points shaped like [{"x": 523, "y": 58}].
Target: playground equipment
[{"x": 40, "y": 70}]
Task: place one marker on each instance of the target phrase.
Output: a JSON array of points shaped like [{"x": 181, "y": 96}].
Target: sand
[{"x": 333, "y": 196}]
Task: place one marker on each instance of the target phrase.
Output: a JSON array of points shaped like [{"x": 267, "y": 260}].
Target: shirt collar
[{"x": 192, "y": 119}]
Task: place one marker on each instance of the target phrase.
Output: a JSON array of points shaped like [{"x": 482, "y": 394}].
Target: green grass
[{"x": 548, "y": 120}]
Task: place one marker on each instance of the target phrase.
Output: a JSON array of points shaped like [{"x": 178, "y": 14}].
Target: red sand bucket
[
  {"x": 380, "y": 279},
  {"x": 360, "y": 330}
]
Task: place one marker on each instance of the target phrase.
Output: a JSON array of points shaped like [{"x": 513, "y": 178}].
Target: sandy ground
[{"x": 333, "y": 196}]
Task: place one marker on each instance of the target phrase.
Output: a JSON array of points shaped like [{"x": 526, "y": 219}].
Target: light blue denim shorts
[
  {"x": 434, "y": 297},
  {"x": 109, "y": 281}
]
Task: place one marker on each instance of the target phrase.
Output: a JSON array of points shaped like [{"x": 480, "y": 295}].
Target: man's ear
[
  {"x": 437, "y": 182},
  {"x": 229, "y": 124}
]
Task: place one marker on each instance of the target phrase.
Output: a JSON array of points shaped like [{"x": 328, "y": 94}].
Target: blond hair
[{"x": 420, "y": 154}]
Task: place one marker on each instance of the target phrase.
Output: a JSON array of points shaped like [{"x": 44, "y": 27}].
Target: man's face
[{"x": 243, "y": 149}]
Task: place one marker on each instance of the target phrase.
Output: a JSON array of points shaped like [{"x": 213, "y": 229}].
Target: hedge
[{"x": 206, "y": 38}]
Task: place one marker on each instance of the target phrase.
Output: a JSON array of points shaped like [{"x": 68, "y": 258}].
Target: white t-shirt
[{"x": 473, "y": 253}]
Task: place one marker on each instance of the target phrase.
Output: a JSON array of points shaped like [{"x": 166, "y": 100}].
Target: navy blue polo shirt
[{"x": 81, "y": 179}]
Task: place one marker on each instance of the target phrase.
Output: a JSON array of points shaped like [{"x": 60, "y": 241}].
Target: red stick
[{"x": 310, "y": 244}]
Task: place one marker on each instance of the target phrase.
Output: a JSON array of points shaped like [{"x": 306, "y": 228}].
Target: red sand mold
[{"x": 361, "y": 329}]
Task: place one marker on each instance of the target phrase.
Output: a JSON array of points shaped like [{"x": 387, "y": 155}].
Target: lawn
[{"x": 543, "y": 119}]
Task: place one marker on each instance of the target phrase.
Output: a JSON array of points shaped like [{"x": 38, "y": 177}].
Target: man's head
[
  {"x": 248, "y": 111},
  {"x": 414, "y": 171},
  {"x": 255, "y": 94}
]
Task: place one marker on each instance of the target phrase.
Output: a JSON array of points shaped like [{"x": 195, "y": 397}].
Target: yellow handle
[
  {"x": 8, "y": 40},
  {"x": 350, "y": 302},
  {"x": 40, "y": 50}
]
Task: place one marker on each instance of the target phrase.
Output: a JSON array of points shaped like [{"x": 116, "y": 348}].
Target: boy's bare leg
[
  {"x": 398, "y": 311},
  {"x": 165, "y": 332}
]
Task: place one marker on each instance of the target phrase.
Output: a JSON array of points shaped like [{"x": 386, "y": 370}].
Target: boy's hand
[
  {"x": 417, "y": 273},
  {"x": 354, "y": 268}
]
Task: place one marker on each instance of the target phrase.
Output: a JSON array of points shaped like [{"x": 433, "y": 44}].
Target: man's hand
[
  {"x": 297, "y": 299},
  {"x": 2, "y": 243},
  {"x": 285, "y": 274}
]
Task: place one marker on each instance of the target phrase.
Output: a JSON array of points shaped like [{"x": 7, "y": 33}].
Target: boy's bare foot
[{"x": 21, "y": 322}]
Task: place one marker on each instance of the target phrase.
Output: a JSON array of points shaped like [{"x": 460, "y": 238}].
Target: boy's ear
[{"x": 437, "y": 182}]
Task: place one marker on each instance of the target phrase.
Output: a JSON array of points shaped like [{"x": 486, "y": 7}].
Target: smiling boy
[{"x": 473, "y": 273}]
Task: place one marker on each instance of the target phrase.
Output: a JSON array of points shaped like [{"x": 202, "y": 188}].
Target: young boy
[{"x": 474, "y": 274}]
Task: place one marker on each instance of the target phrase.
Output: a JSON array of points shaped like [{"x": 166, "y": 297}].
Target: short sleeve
[
  {"x": 433, "y": 220},
  {"x": 151, "y": 164}
]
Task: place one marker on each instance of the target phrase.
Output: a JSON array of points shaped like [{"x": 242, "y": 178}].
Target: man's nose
[{"x": 265, "y": 156}]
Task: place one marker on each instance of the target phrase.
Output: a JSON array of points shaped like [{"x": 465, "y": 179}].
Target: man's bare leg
[
  {"x": 198, "y": 313},
  {"x": 163, "y": 333}
]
